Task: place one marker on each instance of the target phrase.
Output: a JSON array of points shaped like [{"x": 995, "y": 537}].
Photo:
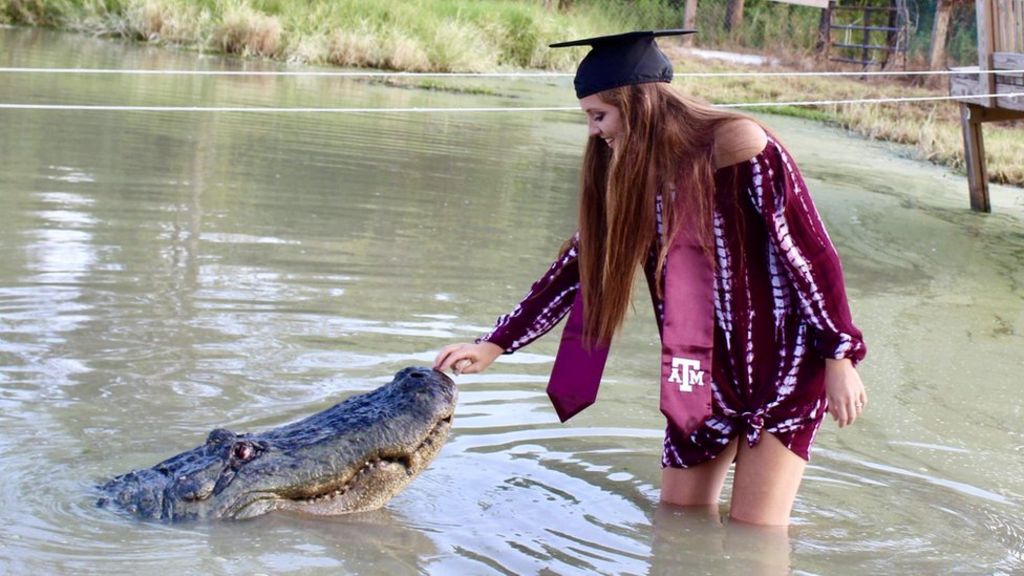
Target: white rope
[
  {"x": 869, "y": 100},
  {"x": 105, "y": 108},
  {"x": 328, "y": 73},
  {"x": 365, "y": 74},
  {"x": 269, "y": 110},
  {"x": 841, "y": 73}
]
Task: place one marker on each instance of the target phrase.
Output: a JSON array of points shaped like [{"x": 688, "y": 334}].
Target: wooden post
[
  {"x": 974, "y": 156},
  {"x": 890, "y": 36},
  {"x": 825, "y": 31},
  {"x": 866, "y": 39},
  {"x": 986, "y": 30}
]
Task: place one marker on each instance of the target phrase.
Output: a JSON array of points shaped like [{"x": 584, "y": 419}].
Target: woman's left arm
[{"x": 805, "y": 250}]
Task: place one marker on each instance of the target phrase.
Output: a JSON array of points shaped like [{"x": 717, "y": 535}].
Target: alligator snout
[{"x": 352, "y": 457}]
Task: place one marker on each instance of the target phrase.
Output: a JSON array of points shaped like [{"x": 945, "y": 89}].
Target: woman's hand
[
  {"x": 467, "y": 358},
  {"x": 845, "y": 391}
]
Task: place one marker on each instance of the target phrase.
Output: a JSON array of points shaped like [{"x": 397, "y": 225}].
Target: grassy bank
[
  {"x": 436, "y": 35},
  {"x": 933, "y": 128},
  {"x": 489, "y": 35}
]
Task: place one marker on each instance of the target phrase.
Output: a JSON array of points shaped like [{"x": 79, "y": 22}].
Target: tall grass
[{"x": 421, "y": 35}]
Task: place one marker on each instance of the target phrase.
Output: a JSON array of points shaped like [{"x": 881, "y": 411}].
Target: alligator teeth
[{"x": 328, "y": 496}]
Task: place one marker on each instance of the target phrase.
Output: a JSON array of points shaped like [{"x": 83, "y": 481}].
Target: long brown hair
[{"x": 666, "y": 146}]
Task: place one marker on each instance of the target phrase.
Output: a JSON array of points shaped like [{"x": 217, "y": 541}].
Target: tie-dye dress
[{"x": 780, "y": 311}]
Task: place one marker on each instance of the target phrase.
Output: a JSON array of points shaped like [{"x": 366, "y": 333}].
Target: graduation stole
[{"x": 687, "y": 342}]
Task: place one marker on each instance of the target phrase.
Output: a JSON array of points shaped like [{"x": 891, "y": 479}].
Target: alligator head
[{"x": 351, "y": 457}]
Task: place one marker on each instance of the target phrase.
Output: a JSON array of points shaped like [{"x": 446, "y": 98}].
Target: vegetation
[
  {"x": 442, "y": 35},
  {"x": 933, "y": 128},
  {"x": 415, "y": 35},
  {"x": 489, "y": 35}
]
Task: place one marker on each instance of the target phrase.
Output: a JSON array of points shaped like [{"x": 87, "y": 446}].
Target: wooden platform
[{"x": 976, "y": 108}]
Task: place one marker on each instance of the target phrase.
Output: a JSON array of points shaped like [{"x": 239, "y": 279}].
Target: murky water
[{"x": 162, "y": 274}]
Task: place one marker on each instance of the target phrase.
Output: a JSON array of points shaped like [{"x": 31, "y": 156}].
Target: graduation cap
[{"x": 621, "y": 60}]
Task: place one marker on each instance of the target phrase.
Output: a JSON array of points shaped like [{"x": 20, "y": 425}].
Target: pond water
[{"x": 162, "y": 274}]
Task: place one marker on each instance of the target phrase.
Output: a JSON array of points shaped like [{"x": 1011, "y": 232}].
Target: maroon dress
[{"x": 780, "y": 311}]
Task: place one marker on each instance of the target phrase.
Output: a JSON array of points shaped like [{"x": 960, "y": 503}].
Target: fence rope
[
  {"x": 311, "y": 110},
  {"x": 265, "y": 110},
  {"x": 368, "y": 74}
]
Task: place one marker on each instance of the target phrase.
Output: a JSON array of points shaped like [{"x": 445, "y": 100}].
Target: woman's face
[{"x": 603, "y": 119}]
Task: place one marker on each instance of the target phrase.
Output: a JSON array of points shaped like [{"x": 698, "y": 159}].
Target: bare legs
[
  {"x": 764, "y": 486},
  {"x": 688, "y": 541},
  {"x": 697, "y": 486}
]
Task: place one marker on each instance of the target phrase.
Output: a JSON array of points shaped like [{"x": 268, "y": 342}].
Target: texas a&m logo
[{"x": 686, "y": 373}]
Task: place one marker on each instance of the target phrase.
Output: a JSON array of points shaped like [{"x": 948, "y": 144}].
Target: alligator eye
[{"x": 243, "y": 451}]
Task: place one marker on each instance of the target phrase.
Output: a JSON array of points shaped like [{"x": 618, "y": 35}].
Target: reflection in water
[
  {"x": 698, "y": 541},
  {"x": 164, "y": 274},
  {"x": 379, "y": 542}
]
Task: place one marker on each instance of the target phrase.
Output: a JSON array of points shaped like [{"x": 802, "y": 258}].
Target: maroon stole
[
  {"x": 577, "y": 371},
  {"x": 687, "y": 341}
]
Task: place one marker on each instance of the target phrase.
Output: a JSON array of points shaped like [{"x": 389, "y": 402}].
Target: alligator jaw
[{"x": 372, "y": 485}]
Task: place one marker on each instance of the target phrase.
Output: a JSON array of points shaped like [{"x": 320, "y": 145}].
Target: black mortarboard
[{"x": 621, "y": 60}]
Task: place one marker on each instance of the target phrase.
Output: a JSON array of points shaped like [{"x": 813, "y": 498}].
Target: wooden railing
[{"x": 1000, "y": 44}]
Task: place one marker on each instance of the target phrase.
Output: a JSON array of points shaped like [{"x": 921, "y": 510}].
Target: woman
[{"x": 748, "y": 290}]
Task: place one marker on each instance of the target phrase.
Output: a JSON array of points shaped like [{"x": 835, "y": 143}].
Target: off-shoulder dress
[{"x": 780, "y": 310}]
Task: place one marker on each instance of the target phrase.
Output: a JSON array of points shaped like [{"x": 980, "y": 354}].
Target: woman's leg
[
  {"x": 699, "y": 485},
  {"x": 765, "y": 483},
  {"x": 760, "y": 550}
]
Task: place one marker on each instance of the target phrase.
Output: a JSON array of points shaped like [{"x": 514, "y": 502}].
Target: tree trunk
[
  {"x": 940, "y": 32},
  {"x": 689, "y": 20},
  {"x": 733, "y": 15}
]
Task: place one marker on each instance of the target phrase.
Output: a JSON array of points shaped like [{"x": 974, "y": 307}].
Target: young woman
[{"x": 757, "y": 337}]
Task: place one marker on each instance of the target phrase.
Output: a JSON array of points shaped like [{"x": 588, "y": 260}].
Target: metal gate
[{"x": 866, "y": 32}]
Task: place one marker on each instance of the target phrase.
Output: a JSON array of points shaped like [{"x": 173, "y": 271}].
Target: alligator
[{"x": 352, "y": 457}]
